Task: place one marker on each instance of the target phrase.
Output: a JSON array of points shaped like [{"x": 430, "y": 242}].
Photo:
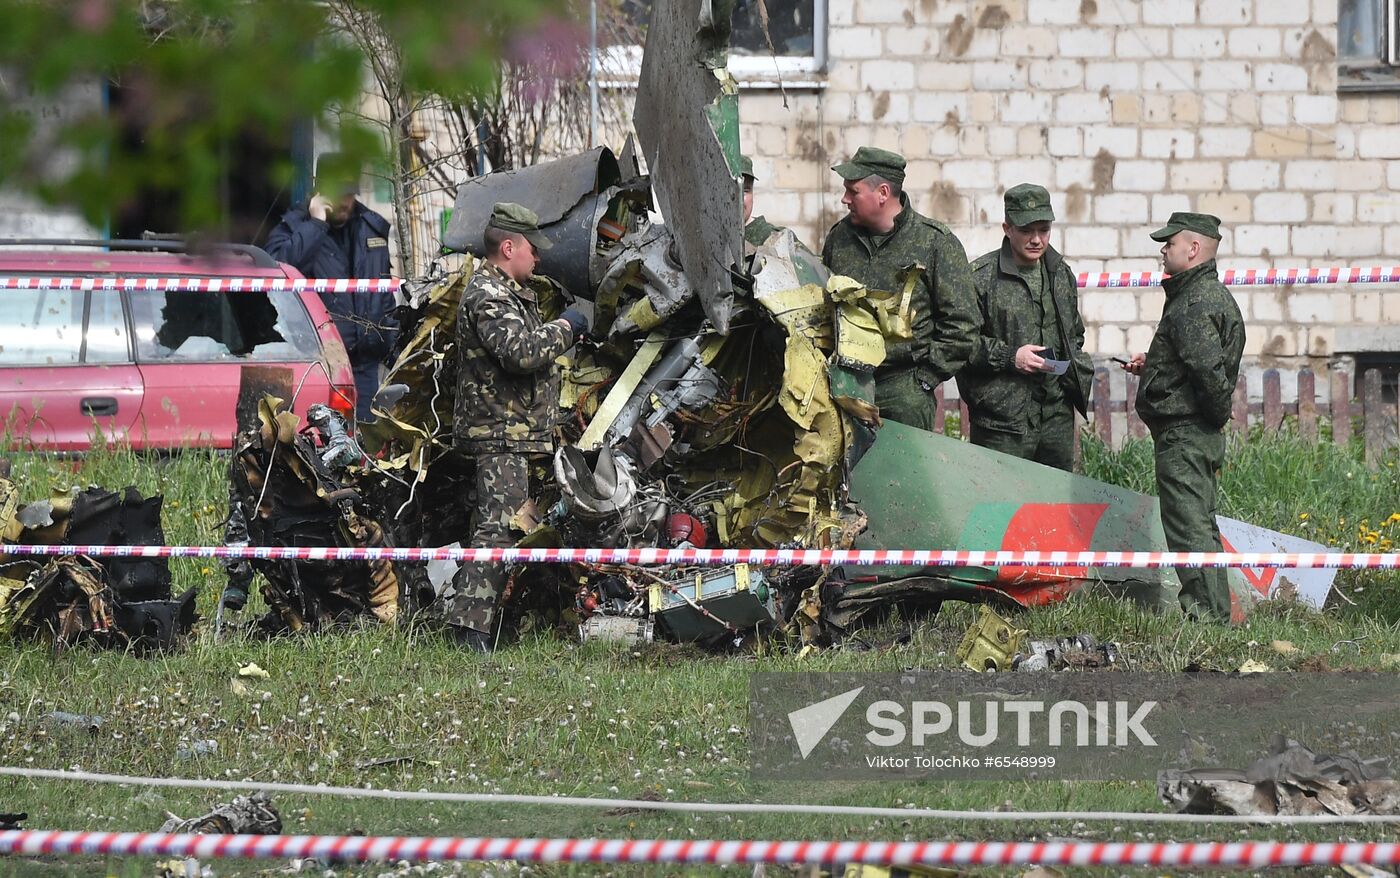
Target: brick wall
[{"x": 1127, "y": 111}]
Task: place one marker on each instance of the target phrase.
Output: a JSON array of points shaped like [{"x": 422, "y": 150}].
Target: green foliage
[{"x": 197, "y": 73}]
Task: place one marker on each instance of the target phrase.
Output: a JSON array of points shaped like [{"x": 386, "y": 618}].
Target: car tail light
[{"x": 343, "y": 400}]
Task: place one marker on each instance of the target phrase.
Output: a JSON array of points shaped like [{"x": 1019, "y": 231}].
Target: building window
[
  {"x": 1368, "y": 45},
  {"x": 796, "y": 27}
]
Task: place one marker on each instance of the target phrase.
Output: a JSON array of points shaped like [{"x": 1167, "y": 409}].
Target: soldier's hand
[
  {"x": 1134, "y": 366},
  {"x": 319, "y": 207},
  {"x": 1029, "y": 361},
  {"x": 577, "y": 322}
]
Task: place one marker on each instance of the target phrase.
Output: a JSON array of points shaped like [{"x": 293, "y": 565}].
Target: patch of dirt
[
  {"x": 1087, "y": 10},
  {"x": 810, "y": 148},
  {"x": 882, "y": 105},
  {"x": 1274, "y": 347},
  {"x": 945, "y": 201},
  {"x": 960, "y": 36},
  {"x": 1317, "y": 49},
  {"x": 993, "y": 17},
  {"x": 1317, "y": 664},
  {"x": 1104, "y": 166}
]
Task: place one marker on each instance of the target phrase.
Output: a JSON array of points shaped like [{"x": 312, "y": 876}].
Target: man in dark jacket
[
  {"x": 343, "y": 238},
  {"x": 507, "y": 402},
  {"x": 1188, "y": 384},
  {"x": 917, "y": 264},
  {"x": 1030, "y": 310}
]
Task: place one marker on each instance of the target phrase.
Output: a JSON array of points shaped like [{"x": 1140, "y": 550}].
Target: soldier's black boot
[{"x": 470, "y": 638}]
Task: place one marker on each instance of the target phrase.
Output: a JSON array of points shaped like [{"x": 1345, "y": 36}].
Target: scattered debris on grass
[
  {"x": 244, "y": 815},
  {"x": 1290, "y": 781}
]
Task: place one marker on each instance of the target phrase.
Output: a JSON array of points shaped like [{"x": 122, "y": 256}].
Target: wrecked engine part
[
  {"x": 571, "y": 196},
  {"x": 287, "y": 495},
  {"x": 1082, "y": 651},
  {"x": 594, "y": 491},
  {"x": 714, "y": 604},
  {"x": 1292, "y": 780},
  {"x": 991, "y": 643},
  {"x": 338, "y": 449},
  {"x": 69, "y": 599},
  {"x": 632, "y": 630},
  {"x": 994, "y": 644},
  {"x": 245, "y": 815}
]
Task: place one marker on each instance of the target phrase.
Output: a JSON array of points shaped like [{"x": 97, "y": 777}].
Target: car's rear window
[
  {"x": 41, "y": 327},
  {"x": 214, "y": 327}
]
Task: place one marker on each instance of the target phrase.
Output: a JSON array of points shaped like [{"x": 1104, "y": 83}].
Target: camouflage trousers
[
  {"x": 502, "y": 487},
  {"x": 906, "y": 395},
  {"x": 1188, "y": 458},
  {"x": 1049, "y": 441}
]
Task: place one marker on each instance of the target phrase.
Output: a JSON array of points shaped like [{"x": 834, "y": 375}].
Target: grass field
[{"x": 549, "y": 716}]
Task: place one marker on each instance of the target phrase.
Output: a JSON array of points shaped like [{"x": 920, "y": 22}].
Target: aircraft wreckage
[{"x": 723, "y": 399}]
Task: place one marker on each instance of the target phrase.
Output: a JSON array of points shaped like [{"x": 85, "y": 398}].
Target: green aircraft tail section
[{"x": 926, "y": 491}]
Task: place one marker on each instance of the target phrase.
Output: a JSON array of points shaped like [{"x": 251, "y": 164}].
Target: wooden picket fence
[{"x": 1367, "y": 414}]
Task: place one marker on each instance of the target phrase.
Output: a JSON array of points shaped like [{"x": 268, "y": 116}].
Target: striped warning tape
[
  {"x": 1244, "y": 277},
  {"x": 1247, "y": 854},
  {"x": 1252, "y": 277},
  {"x": 772, "y": 557},
  {"x": 204, "y": 284}
]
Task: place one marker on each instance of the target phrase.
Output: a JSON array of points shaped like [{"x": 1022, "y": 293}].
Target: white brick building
[{"x": 1126, "y": 110}]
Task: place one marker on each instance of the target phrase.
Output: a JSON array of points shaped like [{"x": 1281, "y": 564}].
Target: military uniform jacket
[
  {"x": 943, "y": 311},
  {"x": 1194, "y": 359},
  {"x": 507, "y": 385},
  {"x": 999, "y": 397}
]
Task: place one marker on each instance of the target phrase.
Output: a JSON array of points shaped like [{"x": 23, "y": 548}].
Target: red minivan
[{"x": 160, "y": 370}]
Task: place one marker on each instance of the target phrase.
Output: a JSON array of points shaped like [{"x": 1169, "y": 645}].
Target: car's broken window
[
  {"x": 202, "y": 327},
  {"x": 41, "y": 328}
]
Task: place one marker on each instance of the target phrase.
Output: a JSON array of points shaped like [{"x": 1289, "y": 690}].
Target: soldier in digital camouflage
[
  {"x": 1029, "y": 307},
  {"x": 886, "y": 245},
  {"x": 757, "y": 229},
  {"x": 506, "y": 405},
  {"x": 1188, "y": 383}
]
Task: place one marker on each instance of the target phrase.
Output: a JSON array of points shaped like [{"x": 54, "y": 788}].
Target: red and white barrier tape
[
  {"x": 1252, "y": 277},
  {"x": 1249, "y": 854},
  {"x": 204, "y": 284},
  {"x": 1243, "y": 277},
  {"x": 769, "y": 557}
]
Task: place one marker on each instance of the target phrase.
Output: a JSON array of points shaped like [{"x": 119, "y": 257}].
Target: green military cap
[
  {"x": 746, "y": 167},
  {"x": 511, "y": 217},
  {"x": 1028, "y": 203},
  {"x": 1181, "y": 221},
  {"x": 871, "y": 161}
]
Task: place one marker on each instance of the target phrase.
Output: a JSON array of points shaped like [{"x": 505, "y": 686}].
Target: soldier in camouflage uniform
[
  {"x": 885, "y": 245},
  {"x": 757, "y": 229},
  {"x": 507, "y": 401},
  {"x": 1188, "y": 382},
  {"x": 1029, "y": 309}
]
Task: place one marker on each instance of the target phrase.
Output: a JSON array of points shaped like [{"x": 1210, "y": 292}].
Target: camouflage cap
[
  {"x": 337, "y": 175},
  {"x": 1181, "y": 221},
  {"x": 511, "y": 217},
  {"x": 746, "y": 167},
  {"x": 871, "y": 161},
  {"x": 1027, "y": 204}
]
